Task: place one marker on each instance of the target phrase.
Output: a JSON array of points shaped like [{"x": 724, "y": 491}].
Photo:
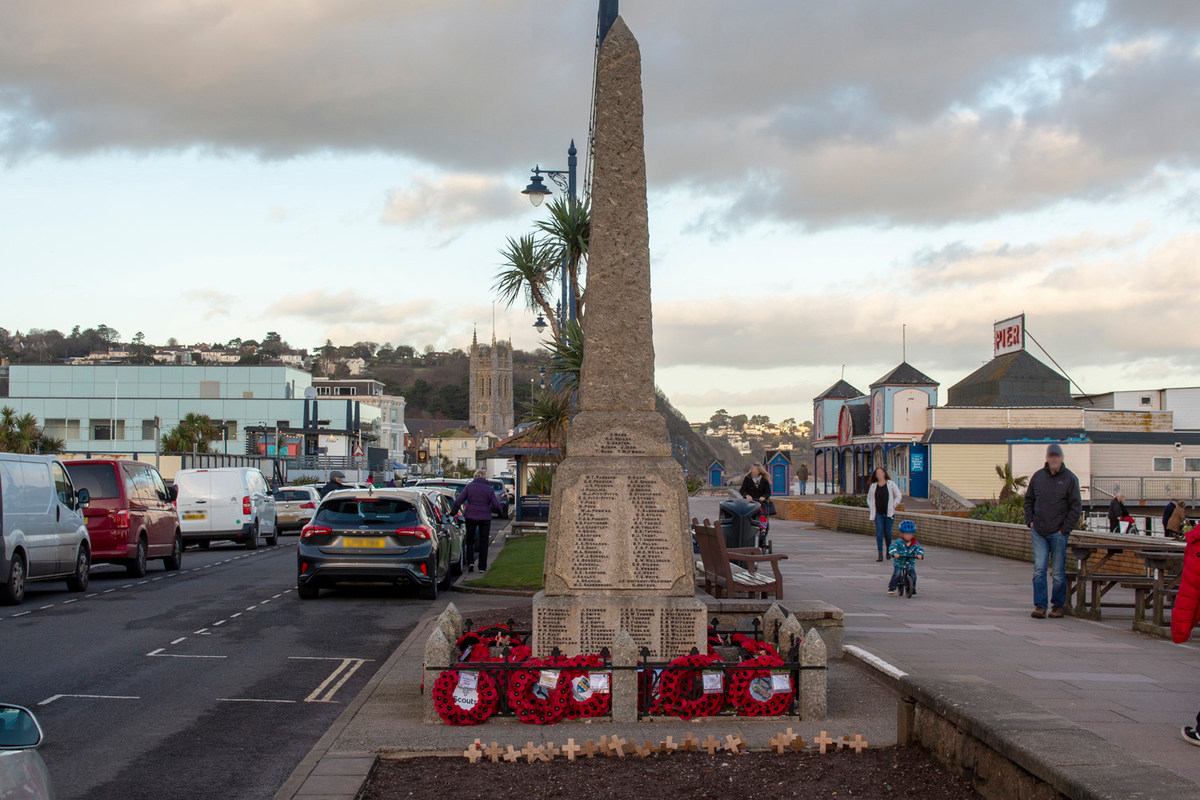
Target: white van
[
  {"x": 43, "y": 535},
  {"x": 225, "y": 503}
]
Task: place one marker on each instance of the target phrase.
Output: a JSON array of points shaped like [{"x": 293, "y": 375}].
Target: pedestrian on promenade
[
  {"x": 1167, "y": 512},
  {"x": 883, "y": 495},
  {"x": 905, "y": 553},
  {"x": 335, "y": 483},
  {"x": 1178, "y": 518},
  {"x": 1185, "y": 612},
  {"x": 1116, "y": 512},
  {"x": 1052, "y": 509},
  {"x": 480, "y": 499},
  {"x": 756, "y": 486},
  {"x": 802, "y": 476}
]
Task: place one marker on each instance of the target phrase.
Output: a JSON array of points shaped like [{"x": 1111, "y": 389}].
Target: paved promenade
[{"x": 971, "y": 617}]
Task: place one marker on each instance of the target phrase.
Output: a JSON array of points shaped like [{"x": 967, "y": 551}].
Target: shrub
[
  {"x": 850, "y": 500},
  {"x": 1011, "y": 510},
  {"x": 693, "y": 484}
]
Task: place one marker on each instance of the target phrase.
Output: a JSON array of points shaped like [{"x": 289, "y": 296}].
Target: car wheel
[
  {"x": 252, "y": 542},
  {"x": 79, "y": 581},
  {"x": 429, "y": 592},
  {"x": 13, "y": 592},
  {"x": 308, "y": 591},
  {"x": 204, "y": 545},
  {"x": 175, "y": 560},
  {"x": 137, "y": 567}
]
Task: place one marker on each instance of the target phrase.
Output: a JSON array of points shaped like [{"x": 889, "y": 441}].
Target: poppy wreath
[
  {"x": 740, "y": 681},
  {"x": 752, "y": 646},
  {"x": 597, "y": 704},
  {"x": 454, "y": 714},
  {"x": 677, "y": 684},
  {"x": 492, "y": 636},
  {"x": 527, "y": 704}
]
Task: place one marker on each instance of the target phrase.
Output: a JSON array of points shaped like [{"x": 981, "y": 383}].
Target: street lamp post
[{"x": 537, "y": 191}]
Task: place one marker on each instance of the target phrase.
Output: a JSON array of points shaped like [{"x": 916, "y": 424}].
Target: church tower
[{"x": 491, "y": 394}]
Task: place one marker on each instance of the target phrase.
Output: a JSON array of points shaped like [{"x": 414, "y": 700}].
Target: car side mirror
[
  {"x": 83, "y": 498},
  {"x": 19, "y": 729},
  {"x": 173, "y": 492}
]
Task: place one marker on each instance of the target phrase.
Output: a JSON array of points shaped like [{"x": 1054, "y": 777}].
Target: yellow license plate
[
  {"x": 195, "y": 515},
  {"x": 363, "y": 543}
]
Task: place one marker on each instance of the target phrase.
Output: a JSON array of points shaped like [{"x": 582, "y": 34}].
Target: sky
[{"x": 832, "y": 185}]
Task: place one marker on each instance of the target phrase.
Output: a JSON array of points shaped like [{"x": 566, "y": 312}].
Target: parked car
[
  {"x": 225, "y": 503},
  {"x": 43, "y": 535},
  {"x": 295, "y": 506},
  {"x": 389, "y": 536},
  {"x": 457, "y": 484},
  {"x": 442, "y": 499},
  {"x": 132, "y": 516},
  {"x": 23, "y": 773}
]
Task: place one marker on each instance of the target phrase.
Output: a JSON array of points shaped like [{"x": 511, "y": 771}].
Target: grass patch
[{"x": 519, "y": 566}]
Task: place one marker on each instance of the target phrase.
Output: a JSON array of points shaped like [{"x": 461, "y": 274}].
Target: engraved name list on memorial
[{"x": 618, "y": 514}]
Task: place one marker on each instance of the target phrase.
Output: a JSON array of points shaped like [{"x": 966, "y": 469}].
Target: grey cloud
[{"x": 453, "y": 200}]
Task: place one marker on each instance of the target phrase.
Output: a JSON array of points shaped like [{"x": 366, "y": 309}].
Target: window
[
  {"x": 1164, "y": 464},
  {"x": 102, "y": 430},
  {"x": 143, "y": 484},
  {"x": 393, "y": 416},
  {"x": 62, "y": 428},
  {"x": 322, "y": 390},
  {"x": 1146, "y": 400},
  {"x": 1191, "y": 465},
  {"x": 247, "y": 395},
  {"x": 148, "y": 430},
  {"x": 62, "y": 485},
  {"x": 210, "y": 389},
  {"x": 99, "y": 479},
  {"x": 281, "y": 423},
  {"x": 159, "y": 486},
  {"x": 231, "y": 429}
]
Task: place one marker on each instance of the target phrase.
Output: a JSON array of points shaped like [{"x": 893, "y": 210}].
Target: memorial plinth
[{"x": 618, "y": 553}]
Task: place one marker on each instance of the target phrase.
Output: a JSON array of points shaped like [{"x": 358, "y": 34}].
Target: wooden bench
[
  {"x": 722, "y": 578},
  {"x": 1101, "y": 584}
]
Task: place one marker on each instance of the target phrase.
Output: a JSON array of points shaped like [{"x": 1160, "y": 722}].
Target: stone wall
[
  {"x": 976, "y": 536},
  {"x": 794, "y": 509}
]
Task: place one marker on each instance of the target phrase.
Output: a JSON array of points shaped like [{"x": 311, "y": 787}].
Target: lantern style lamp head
[
  {"x": 540, "y": 325},
  {"x": 536, "y": 191}
]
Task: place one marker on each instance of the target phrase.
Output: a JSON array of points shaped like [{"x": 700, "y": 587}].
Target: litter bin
[{"x": 739, "y": 522}]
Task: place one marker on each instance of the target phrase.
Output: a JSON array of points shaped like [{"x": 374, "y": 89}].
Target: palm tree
[
  {"x": 1011, "y": 484},
  {"x": 193, "y": 431},
  {"x": 565, "y": 362},
  {"x": 550, "y": 412},
  {"x": 23, "y": 434},
  {"x": 525, "y": 275},
  {"x": 568, "y": 229}
]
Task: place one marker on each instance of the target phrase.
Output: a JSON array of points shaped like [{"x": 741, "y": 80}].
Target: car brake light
[
  {"x": 419, "y": 531},
  {"x": 424, "y": 569},
  {"x": 122, "y": 523},
  {"x": 314, "y": 530},
  {"x": 246, "y": 506},
  {"x": 304, "y": 568},
  {"x": 308, "y": 505}
]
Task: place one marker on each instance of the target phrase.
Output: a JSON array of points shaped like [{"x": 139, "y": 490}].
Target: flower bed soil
[{"x": 893, "y": 773}]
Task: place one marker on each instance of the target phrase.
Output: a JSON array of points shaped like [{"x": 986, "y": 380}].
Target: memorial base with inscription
[{"x": 669, "y": 626}]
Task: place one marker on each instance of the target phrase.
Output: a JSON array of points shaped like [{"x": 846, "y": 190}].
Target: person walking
[
  {"x": 802, "y": 477},
  {"x": 334, "y": 483},
  {"x": 883, "y": 495},
  {"x": 1116, "y": 512},
  {"x": 1177, "y": 520},
  {"x": 756, "y": 486},
  {"x": 1167, "y": 512},
  {"x": 1052, "y": 509},
  {"x": 480, "y": 499}
]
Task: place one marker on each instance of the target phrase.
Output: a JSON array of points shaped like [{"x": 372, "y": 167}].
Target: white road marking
[
  {"x": 52, "y": 698},
  {"x": 93, "y": 594},
  {"x": 156, "y": 652},
  {"x": 251, "y": 608},
  {"x": 215, "y": 624},
  {"x": 264, "y": 602},
  {"x": 142, "y": 583},
  {"x": 23, "y": 613},
  {"x": 43, "y": 608},
  {"x": 159, "y": 578},
  {"x": 249, "y": 700},
  {"x": 74, "y": 600},
  {"x": 126, "y": 586},
  {"x": 326, "y": 658},
  {"x": 234, "y": 616},
  {"x": 159, "y": 653},
  {"x": 274, "y": 596},
  {"x": 202, "y": 630},
  {"x": 347, "y": 668},
  {"x": 180, "y": 639},
  {"x": 106, "y": 591}
]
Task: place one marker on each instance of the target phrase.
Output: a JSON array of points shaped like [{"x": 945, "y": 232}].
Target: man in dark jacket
[
  {"x": 480, "y": 499},
  {"x": 1168, "y": 512},
  {"x": 334, "y": 484},
  {"x": 802, "y": 477},
  {"x": 1052, "y": 509},
  {"x": 1116, "y": 512}
]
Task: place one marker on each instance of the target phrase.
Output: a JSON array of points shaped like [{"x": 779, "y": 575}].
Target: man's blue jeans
[
  {"x": 1053, "y": 549},
  {"x": 803, "y": 486},
  {"x": 883, "y": 532}
]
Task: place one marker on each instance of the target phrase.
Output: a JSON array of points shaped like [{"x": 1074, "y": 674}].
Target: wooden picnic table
[
  {"x": 1166, "y": 568},
  {"x": 1101, "y": 581}
]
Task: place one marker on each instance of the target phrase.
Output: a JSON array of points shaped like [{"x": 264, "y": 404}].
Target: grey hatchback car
[{"x": 390, "y": 536}]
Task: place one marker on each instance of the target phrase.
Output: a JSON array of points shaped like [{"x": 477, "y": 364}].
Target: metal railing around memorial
[{"x": 650, "y": 673}]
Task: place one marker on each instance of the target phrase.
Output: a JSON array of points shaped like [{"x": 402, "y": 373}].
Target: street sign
[{"x": 358, "y": 451}]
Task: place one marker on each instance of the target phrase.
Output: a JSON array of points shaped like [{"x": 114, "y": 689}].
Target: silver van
[{"x": 43, "y": 535}]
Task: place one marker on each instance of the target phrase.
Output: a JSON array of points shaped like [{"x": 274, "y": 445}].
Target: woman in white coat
[{"x": 883, "y": 495}]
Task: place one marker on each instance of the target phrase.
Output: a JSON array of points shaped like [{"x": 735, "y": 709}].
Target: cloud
[
  {"x": 453, "y": 201},
  {"x": 213, "y": 303},
  {"x": 821, "y": 114}
]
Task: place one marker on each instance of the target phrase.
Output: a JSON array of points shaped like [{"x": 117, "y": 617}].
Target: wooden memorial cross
[
  {"x": 473, "y": 753},
  {"x": 711, "y": 745},
  {"x": 642, "y": 751},
  {"x": 493, "y": 752},
  {"x": 824, "y": 740},
  {"x": 549, "y": 752},
  {"x": 669, "y": 745},
  {"x": 511, "y": 755},
  {"x": 780, "y": 742},
  {"x": 799, "y": 744},
  {"x": 690, "y": 743},
  {"x": 734, "y": 743},
  {"x": 570, "y": 749},
  {"x": 589, "y": 749},
  {"x": 530, "y": 752},
  {"x": 617, "y": 746},
  {"x": 858, "y": 743}
]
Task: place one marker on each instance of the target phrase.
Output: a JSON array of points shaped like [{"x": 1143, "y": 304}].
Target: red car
[{"x": 132, "y": 516}]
